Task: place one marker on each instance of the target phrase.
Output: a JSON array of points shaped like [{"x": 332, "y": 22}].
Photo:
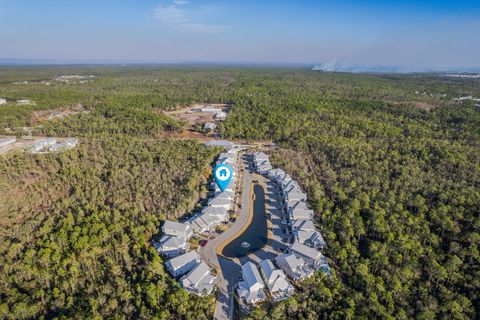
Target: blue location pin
[{"x": 223, "y": 174}]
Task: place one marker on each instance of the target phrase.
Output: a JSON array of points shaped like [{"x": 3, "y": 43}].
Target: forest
[
  {"x": 76, "y": 230},
  {"x": 391, "y": 164}
]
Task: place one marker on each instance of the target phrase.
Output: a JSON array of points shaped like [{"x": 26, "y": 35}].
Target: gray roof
[
  {"x": 214, "y": 211},
  {"x": 172, "y": 241},
  {"x": 196, "y": 275},
  {"x": 173, "y": 226},
  {"x": 250, "y": 274},
  {"x": 306, "y": 225},
  {"x": 301, "y": 213},
  {"x": 295, "y": 204},
  {"x": 219, "y": 202},
  {"x": 183, "y": 259},
  {"x": 306, "y": 251},
  {"x": 291, "y": 260}
]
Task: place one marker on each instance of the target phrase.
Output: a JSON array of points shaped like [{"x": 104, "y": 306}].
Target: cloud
[{"x": 174, "y": 16}]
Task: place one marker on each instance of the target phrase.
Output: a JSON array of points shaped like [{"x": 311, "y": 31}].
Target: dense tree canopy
[
  {"x": 76, "y": 228},
  {"x": 391, "y": 164}
]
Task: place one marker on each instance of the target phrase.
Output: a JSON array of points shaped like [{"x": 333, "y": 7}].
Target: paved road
[{"x": 229, "y": 270}]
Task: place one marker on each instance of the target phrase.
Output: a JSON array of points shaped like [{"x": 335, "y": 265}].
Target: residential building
[
  {"x": 219, "y": 214},
  {"x": 199, "y": 280},
  {"x": 25, "y": 102},
  {"x": 275, "y": 173},
  {"x": 250, "y": 290},
  {"x": 171, "y": 246},
  {"x": 210, "y": 126},
  {"x": 178, "y": 229},
  {"x": 295, "y": 205},
  {"x": 276, "y": 281},
  {"x": 299, "y": 212},
  {"x": 295, "y": 267},
  {"x": 229, "y": 195},
  {"x": 306, "y": 233},
  {"x": 183, "y": 263},
  {"x": 211, "y": 110},
  {"x": 294, "y": 193},
  {"x": 203, "y": 223},
  {"x": 220, "y": 203},
  {"x": 220, "y": 116},
  {"x": 312, "y": 257},
  {"x": 3, "y": 101}
]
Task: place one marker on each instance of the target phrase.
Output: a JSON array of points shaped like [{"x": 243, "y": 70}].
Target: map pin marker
[{"x": 223, "y": 175}]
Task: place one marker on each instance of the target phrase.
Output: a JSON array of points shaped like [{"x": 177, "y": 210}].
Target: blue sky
[{"x": 408, "y": 34}]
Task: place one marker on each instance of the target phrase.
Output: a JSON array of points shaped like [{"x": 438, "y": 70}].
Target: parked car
[{"x": 203, "y": 242}]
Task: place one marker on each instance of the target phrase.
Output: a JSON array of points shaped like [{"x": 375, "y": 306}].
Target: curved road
[{"x": 229, "y": 271}]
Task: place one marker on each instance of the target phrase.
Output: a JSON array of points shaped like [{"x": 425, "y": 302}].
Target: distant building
[
  {"x": 5, "y": 141},
  {"x": 211, "y": 110},
  {"x": 220, "y": 116},
  {"x": 295, "y": 267},
  {"x": 276, "y": 281},
  {"x": 219, "y": 143},
  {"x": 183, "y": 264},
  {"x": 250, "y": 290},
  {"x": 43, "y": 144},
  {"x": 3, "y": 101},
  {"x": 25, "y": 102},
  {"x": 199, "y": 280},
  {"x": 210, "y": 126}
]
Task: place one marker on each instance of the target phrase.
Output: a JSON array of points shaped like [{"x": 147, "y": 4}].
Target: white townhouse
[
  {"x": 276, "y": 281},
  {"x": 178, "y": 229},
  {"x": 199, "y": 280},
  {"x": 274, "y": 174},
  {"x": 306, "y": 233},
  {"x": 230, "y": 187},
  {"x": 294, "y": 193},
  {"x": 250, "y": 290},
  {"x": 295, "y": 205},
  {"x": 218, "y": 214},
  {"x": 301, "y": 213},
  {"x": 203, "y": 223},
  {"x": 293, "y": 266},
  {"x": 183, "y": 264},
  {"x": 217, "y": 202},
  {"x": 312, "y": 257},
  {"x": 171, "y": 246},
  {"x": 229, "y": 195}
]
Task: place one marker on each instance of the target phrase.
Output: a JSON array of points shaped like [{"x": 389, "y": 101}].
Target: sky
[{"x": 412, "y": 35}]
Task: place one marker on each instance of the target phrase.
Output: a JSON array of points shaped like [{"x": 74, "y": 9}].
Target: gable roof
[
  {"x": 173, "y": 227},
  {"x": 196, "y": 275},
  {"x": 306, "y": 251},
  {"x": 180, "y": 261},
  {"x": 251, "y": 275},
  {"x": 171, "y": 242}
]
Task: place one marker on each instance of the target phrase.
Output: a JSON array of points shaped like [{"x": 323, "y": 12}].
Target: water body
[{"x": 256, "y": 233}]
